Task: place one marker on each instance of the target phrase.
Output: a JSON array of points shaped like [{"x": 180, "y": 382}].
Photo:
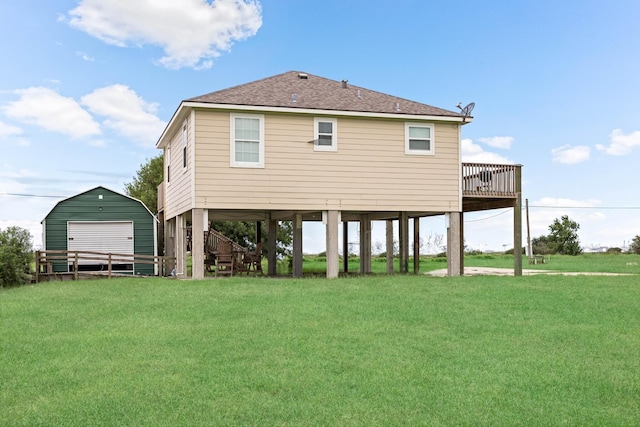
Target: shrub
[
  {"x": 511, "y": 251},
  {"x": 473, "y": 252},
  {"x": 16, "y": 254}
]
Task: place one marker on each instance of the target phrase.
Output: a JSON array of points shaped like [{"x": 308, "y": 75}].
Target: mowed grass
[
  {"x": 357, "y": 351},
  {"x": 590, "y": 262}
]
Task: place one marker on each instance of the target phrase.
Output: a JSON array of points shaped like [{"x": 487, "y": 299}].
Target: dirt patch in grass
[{"x": 492, "y": 271}]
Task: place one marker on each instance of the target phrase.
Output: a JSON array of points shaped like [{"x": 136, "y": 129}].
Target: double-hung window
[
  {"x": 247, "y": 140},
  {"x": 419, "y": 139},
  {"x": 326, "y": 134}
]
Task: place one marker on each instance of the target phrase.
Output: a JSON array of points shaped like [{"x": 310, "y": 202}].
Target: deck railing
[{"x": 490, "y": 180}]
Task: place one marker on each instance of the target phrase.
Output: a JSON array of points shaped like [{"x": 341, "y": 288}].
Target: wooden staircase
[{"x": 212, "y": 240}]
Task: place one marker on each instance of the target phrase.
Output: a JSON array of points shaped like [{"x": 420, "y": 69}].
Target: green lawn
[
  {"x": 359, "y": 351},
  {"x": 611, "y": 263}
]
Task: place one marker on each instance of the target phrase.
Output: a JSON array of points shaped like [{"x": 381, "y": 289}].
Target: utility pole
[{"x": 528, "y": 231}]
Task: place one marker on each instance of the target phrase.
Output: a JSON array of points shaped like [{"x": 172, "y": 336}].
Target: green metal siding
[{"x": 112, "y": 207}]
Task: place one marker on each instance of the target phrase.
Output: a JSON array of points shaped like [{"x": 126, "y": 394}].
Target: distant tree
[
  {"x": 16, "y": 254},
  {"x": 511, "y": 251},
  {"x": 563, "y": 238},
  {"x": 634, "y": 247},
  {"x": 540, "y": 245},
  {"x": 144, "y": 186}
]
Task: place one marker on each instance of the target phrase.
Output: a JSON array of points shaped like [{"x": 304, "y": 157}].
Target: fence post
[
  {"x": 109, "y": 264},
  {"x": 37, "y": 266},
  {"x": 75, "y": 266}
]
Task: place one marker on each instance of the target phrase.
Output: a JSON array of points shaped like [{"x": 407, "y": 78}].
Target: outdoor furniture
[
  {"x": 252, "y": 261},
  {"x": 225, "y": 259},
  {"x": 537, "y": 259}
]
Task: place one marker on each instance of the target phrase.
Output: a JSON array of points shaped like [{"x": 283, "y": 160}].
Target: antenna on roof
[{"x": 466, "y": 110}]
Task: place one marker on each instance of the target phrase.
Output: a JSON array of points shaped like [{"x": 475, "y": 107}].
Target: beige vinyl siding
[
  {"x": 179, "y": 190},
  {"x": 370, "y": 170}
]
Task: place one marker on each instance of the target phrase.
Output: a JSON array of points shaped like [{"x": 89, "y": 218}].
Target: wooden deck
[{"x": 490, "y": 186}]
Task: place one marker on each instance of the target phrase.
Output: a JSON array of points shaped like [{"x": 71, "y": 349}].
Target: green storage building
[{"x": 101, "y": 220}]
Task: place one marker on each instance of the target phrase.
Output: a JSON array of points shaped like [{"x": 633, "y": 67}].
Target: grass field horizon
[
  {"x": 588, "y": 262},
  {"x": 363, "y": 350}
]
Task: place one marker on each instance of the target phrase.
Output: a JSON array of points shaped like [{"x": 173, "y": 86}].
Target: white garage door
[{"x": 108, "y": 237}]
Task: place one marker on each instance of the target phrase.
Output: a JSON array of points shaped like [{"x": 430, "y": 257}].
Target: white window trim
[
  {"x": 316, "y": 134},
  {"x": 237, "y": 164},
  {"x": 432, "y": 144},
  {"x": 185, "y": 163}
]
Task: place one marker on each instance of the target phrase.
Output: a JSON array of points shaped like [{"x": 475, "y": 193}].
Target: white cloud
[
  {"x": 8, "y": 172},
  {"x": 474, "y": 153},
  {"x": 126, "y": 112},
  {"x": 8, "y": 130},
  {"x": 48, "y": 109},
  {"x": 498, "y": 141},
  {"x": 84, "y": 56},
  {"x": 571, "y": 155},
  {"x": 191, "y": 32},
  {"x": 621, "y": 144}
]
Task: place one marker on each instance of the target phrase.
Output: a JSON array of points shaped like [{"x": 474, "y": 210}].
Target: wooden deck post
[
  {"x": 333, "y": 261},
  {"x": 272, "y": 256},
  {"x": 517, "y": 224},
  {"x": 461, "y": 243},
  {"x": 297, "y": 246},
  {"x": 365, "y": 244},
  {"x": 181, "y": 247},
  {"x": 453, "y": 244},
  {"x": 197, "y": 243},
  {"x": 345, "y": 246},
  {"x": 389, "y": 246},
  {"x": 258, "y": 232},
  {"x": 403, "y": 231},
  {"x": 169, "y": 246},
  {"x": 416, "y": 245}
]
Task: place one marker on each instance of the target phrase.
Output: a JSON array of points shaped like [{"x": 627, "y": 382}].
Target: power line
[
  {"x": 488, "y": 217},
  {"x": 32, "y": 195},
  {"x": 585, "y": 207}
]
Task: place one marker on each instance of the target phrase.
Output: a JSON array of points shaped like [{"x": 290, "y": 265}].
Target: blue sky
[{"x": 86, "y": 88}]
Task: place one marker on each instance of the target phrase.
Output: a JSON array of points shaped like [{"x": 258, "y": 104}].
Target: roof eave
[
  {"x": 216, "y": 106},
  {"x": 177, "y": 115}
]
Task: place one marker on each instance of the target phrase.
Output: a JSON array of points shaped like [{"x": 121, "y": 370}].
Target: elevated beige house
[{"x": 300, "y": 147}]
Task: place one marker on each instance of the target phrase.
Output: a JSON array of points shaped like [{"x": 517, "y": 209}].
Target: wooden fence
[{"x": 45, "y": 261}]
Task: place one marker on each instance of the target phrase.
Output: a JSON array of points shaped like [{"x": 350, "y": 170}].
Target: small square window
[
  {"x": 419, "y": 139},
  {"x": 325, "y": 138}
]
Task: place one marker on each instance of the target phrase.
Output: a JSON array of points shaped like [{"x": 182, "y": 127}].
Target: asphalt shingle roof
[{"x": 296, "y": 89}]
